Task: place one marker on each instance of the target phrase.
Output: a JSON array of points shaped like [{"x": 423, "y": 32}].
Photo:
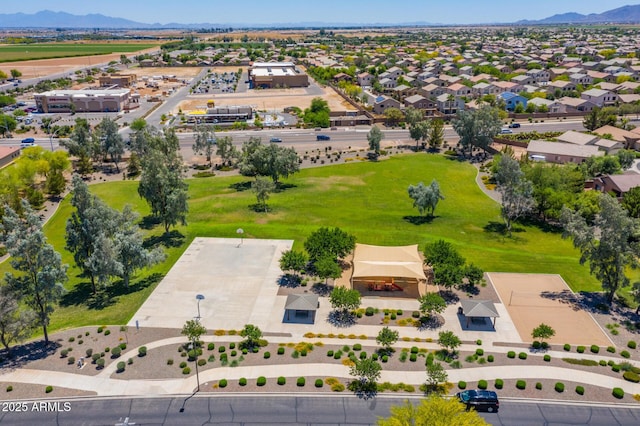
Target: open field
[
  {"x": 367, "y": 199},
  {"x": 44, "y": 67},
  {"x": 26, "y": 52},
  {"x": 179, "y": 72}
]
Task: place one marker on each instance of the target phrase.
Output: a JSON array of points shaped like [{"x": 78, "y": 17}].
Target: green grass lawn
[
  {"x": 27, "y": 52},
  {"x": 367, "y": 199}
]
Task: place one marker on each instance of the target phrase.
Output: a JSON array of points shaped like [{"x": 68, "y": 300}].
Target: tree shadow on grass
[
  {"x": 168, "y": 239},
  {"x": 149, "y": 222},
  {"x": 241, "y": 186},
  {"x": 259, "y": 208},
  {"x": 321, "y": 289},
  {"x": 542, "y": 225},
  {"x": 281, "y": 187},
  {"x": 418, "y": 220},
  {"x": 499, "y": 230},
  {"x": 23, "y": 354},
  {"x": 289, "y": 281}
]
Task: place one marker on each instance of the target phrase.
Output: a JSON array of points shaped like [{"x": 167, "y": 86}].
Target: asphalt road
[{"x": 284, "y": 410}]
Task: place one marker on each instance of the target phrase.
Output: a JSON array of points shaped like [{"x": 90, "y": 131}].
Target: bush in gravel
[
  {"x": 123, "y": 346},
  {"x": 48, "y": 389},
  {"x": 221, "y": 349},
  {"x": 490, "y": 358},
  {"x": 482, "y": 384},
  {"x": 521, "y": 384},
  {"x": 89, "y": 352},
  {"x": 615, "y": 368},
  {"x": 329, "y": 353},
  {"x": 536, "y": 344},
  {"x": 170, "y": 361},
  {"x": 617, "y": 393},
  {"x": 478, "y": 342},
  {"x": 222, "y": 383},
  {"x": 186, "y": 370},
  {"x": 100, "y": 362},
  {"x": 130, "y": 361},
  {"x": 413, "y": 357},
  {"x": 414, "y": 349},
  {"x": 64, "y": 353},
  {"x": 547, "y": 357},
  {"x": 374, "y": 356},
  {"x": 211, "y": 346},
  {"x": 522, "y": 355},
  {"x": 369, "y": 311},
  {"x": 631, "y": 344},
  {"x": 183, "y": 364},
  {"x": 357, "y": 347},
  {"x": 71, "y": 360},
  {"x": 202, "y": 362},
  {"x": 115, "y": 352},
  {"x": 559, "y": 387},
  {"x": 630, "y": 376},
  {"x": 72, "y": 339},
  {"x": 611, "y": 363},
  {"x": 267, "y": 355},
  {"x": 580, "y": 349},
  {"x": 301, "y": 381},
  {"x": 100, "y": 329},
  {"x": 142, "y": 351},
  {"x": 462, "y": 384},
  {"x": 121, "y": 366},
  {"x": 580, "y": 390},
  {"x": 282, "y": 380},
  {"x": 415, "y": 314},
  {"x": 107, "y": 332},
  {"x": 107, "y": 349},
  {"x": 261, "y": 381},
  {"x": 319, "y": 383},
  {"x": 499, "y": 383},
  {"x": 363, "y": 355},
  {"x": 611, "y": 349},
  {"x": 9, "y": 388},
  {"x": 511, "y": 354},
  {"x": 567, "y": 347},
  {"x": 242, "y": 381},
  {"x": 538, "y": 385},
  {"x": 595, "y": 349},
  {"x": 232, "y": 345},
  {"x": 625, "y": 354},
  {"x": 281, "y": 351},
  {"x": 481, "y": 360},
  {"x": 385, "y": 358},
  {"x": 479, "y": 352},
  {"x": 602, "y": 362},
  {"x": 337, "y": 355}
]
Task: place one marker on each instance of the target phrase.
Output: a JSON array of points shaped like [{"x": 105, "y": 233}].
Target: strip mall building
[{"x": 112, "y": 100}]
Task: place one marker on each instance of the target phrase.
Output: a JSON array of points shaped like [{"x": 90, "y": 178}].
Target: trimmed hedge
[
  {"x": 222, "y": 383},
  {"x": 580, "y": 349},
  {"x": 267, "y": 355},
  {"x": 521, "y": 384},
  {"x": 281, "y": 351},
  {"x": 261, "y": 381},
  {"x": 567, "y": 347},
  {"x": 121, "y": 366},
  {"x": 319, "y": 383},
  {"x": 611, "y": 349},
  {"x": 479, "y": 352},
  {"x": 462, "y": 384},
  {"x": 100, "y": 362},
  {"x": 630, "y": 376},
  {"x": 617, "y": 393},
  {"x": 482, "y": 384},
  {"x": 242, "y": 381},
  {"x": 625, "y": 354},
  {"x": 499, "y": 384},
  {"x": 478, "y": 342},
  {"x": 115, "y": 352},
  {"x": 631, "y": 344},
  {"x": 282, "y": 380},
  {"x": 186, "y": 370},
  {"x": 538, "y": 385},
  {"x": 580, "y": 390},
  {"x": 547, "y": 358},
  {"x": 413, "y": 357},
  {"x": 301, "y": 381},
  {"x": 595, "y": 349},
  {"x": 202, "y": 362},
  {"x": 211, "y": 346},
  {"x": 511, "y": 354},
  {"x": 490, "y": 358},
  {"x": 522, "y": 355},
  {"x": 357, "y": 347},
  {"x": 48, "y": 389},
  {"x": 559, "y": 387},
  {"x": 142, "y": 351}
]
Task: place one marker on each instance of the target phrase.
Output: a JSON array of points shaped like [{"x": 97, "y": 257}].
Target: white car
[{"x": 506, "y": 131}]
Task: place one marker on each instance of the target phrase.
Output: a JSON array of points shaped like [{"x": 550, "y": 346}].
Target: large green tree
[
  {"x": 374, "y": 137},
  {"x": 426, "y": 198},
  {"x": 317, "y": 115},
  {"x": 477, "y": 128},
  {"x": 40, "y": 272},
  {"x": 366, "y": 373},
  {"x": 432, "y": 411},
  {"x": 608, "y": 245},
  {"x": 204, "y": 141},
  {"x": 16, "y": 323},
  {"x": 516, "y": 192},
  {"x": 329, "y": 242},
  {"x": 111, "y": 142}
]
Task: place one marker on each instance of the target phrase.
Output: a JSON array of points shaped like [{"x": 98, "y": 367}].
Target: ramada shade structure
[
  {"x": 479, "y": 309},
  {"x": 301, "y": 305}
]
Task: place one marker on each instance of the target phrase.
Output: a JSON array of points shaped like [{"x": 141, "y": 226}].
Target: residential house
[
  {"x": 600, "y": 97},
  {"x": 561, "y": 153},
  {"x": 507, "y": 86},
  {"x": 449, "y": 104},
  {"x": 539, "y": 75},
  {"x": 365, "y": 79},
  {"x": 552, "y": 106},
  {"x": 576, "y": 104},
  {"x": 482, "y": 89},
  {"x": 383, "y": 103},
  {"x": 561, "y": 85},
  {"x": 583, "y": 79},
  {"x": 431, "y": 91},
  {"x": 630, "y": 140},
  {"x": 577, "y": 138},
  {"x": 617, "y": 184},
  {"x": 458, "y": 89},
  {"x": 511, "y": 100},
  {"x": 523, "y": 80},
  {"x": 422, "y": 103}
]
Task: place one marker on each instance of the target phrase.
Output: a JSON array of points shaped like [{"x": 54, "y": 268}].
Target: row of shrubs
[
  {"x": 522, "y": 384},
  {"x": 596, "y": 349}
]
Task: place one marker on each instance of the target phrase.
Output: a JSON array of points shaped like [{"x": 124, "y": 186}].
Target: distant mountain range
[{"x": 50, "y": 19}]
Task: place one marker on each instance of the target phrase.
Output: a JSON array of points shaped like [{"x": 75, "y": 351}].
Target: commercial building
[
  {"x": 226, "y": 114},
  {"x": 118, "y": 80},
  {"x": 8, "y": 154},
  {"x": 276, "y": 74},
  {"x": 107, "y": 100}
]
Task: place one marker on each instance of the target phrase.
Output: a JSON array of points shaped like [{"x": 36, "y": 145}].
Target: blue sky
[{"x": 283, "y": 11}]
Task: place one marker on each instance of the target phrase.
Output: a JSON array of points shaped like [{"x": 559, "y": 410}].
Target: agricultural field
[
  {"x": 27, "y": 52},
  {"x": 367, "y": 199}
]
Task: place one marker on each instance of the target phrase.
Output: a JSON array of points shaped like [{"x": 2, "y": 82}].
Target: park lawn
[
  {"x": 27, "y": 52},
  {"x": 368, "y": 199}
]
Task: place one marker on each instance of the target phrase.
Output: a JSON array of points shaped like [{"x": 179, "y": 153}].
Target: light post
[
  {"x": 240, "y": 232},
  {"x": 199, "y": 297},
  {"x": 52, "y": 134}
]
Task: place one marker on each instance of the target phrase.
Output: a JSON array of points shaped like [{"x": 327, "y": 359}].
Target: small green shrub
[
  {"x": 630, "y": 376},
  {"x": 374, "y": 356},
  {"x": 490, "y": 358},
  {"x": 267, "y": 355},
  {"x": 462, "y": 384},
  {"x": 369, "y": 311},
  {"x": 232, "y": 345},
  {"x": 547, "y": 358},
  {"x": 186, "y": 370},
  {"x": 72, "y": 339},
  {"x": 625, "y": 354},
  {"x": 222, "y": 383},
  {"x": 611, "y": 349},
  {"x": 121, "y": 366},
  {"x": 499, "y": 384},
  {"x": 631, "y": 344},
  {"x": 413, "y": 357},
  {"x": 319, "y": 383},
  {"x": 363, "y": 355},
  {"x": 617, "y": 393},
  {"x": 478, "y": 342},
  {"x": 602, "y": 362},
  {"x": 538, "y": 385},
  {"x": 300, "y": 382},
  {"x": 559, "y": 387},
  {"x": 183, "y": 364},
  {"x": 281, "y": 351},
  {"x": 511, "y": 354},
  {"x": 329, "y": 353},
  {"x": 595, "y": 349},
  {"x": 89, "y": 352},
  {"x": 211, "y": 346},
  {"x": 71, "y": 360},
  {"x": 100, "y": 329},
  {"x": 234, "y": 353},
  {"x": 615, "y": 368},
  {"x": 567, "y": 347},
  {"x": 580, "y": 390},
  {"x": 479, "y": 352},
  {"x": 142, "y": 351},
  {"x": 415, "y": 314},
  {"x": 202, "y": 362},
  {"x": 64, "y": 353},
  {"x": 170, "y": 361},
  {"x": 130, "y": 361},
  {"x": 521, "y": 384},
  {"x": 221, "y": 349},
  {"x": 100, "y": 362},
  {"x": 242, "y": 381},
  {"x": 337, "y": 355},
  {"x": 482, "y": 384},
  {"x": 9, "y": 388},
  {"x": 123, "y": 346},
  {"x": 357, "y": 347},
  {"x": 580, "y": 349},
  {"x": 385, "y": 358},
  {"x": 261, "y": 381},
  {"x": 115, "y": 352},
  {"x": 282, "y": 380},
  {"x": 48, "y": 389},
  {"x": 107, "y": 332},
  {"x": 522, "y": 355}
]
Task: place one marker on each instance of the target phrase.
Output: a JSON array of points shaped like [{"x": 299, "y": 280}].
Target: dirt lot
[
  {"x": 535, "y": 298},
  {"x": 271, "y": 99},
  {"x": 179, "y": 72},
  {"x": 43, "y": 67}
]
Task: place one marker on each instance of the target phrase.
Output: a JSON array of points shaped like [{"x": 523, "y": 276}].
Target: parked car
[
  {"x": 514, "y": 125},
  {"x": 480, "y": 400},
  {"x": 275, "y": 140},
  {"x": 506, "y": 131},
  {"x": 323, "y": 138}
]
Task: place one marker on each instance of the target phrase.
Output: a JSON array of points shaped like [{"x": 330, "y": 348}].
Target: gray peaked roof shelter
[
  {"x": 478, "y": 309},
  {"x": 301, "y": 304}
]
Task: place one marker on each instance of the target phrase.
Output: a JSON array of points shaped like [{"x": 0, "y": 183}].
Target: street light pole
[{"x": 199, "y": 297}]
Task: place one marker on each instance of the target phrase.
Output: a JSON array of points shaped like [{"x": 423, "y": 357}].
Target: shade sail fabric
[
  {"x": 479, "y": 308},
  {"x": 380, "y": 261},
  {"x": 302, "y": 302}
]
